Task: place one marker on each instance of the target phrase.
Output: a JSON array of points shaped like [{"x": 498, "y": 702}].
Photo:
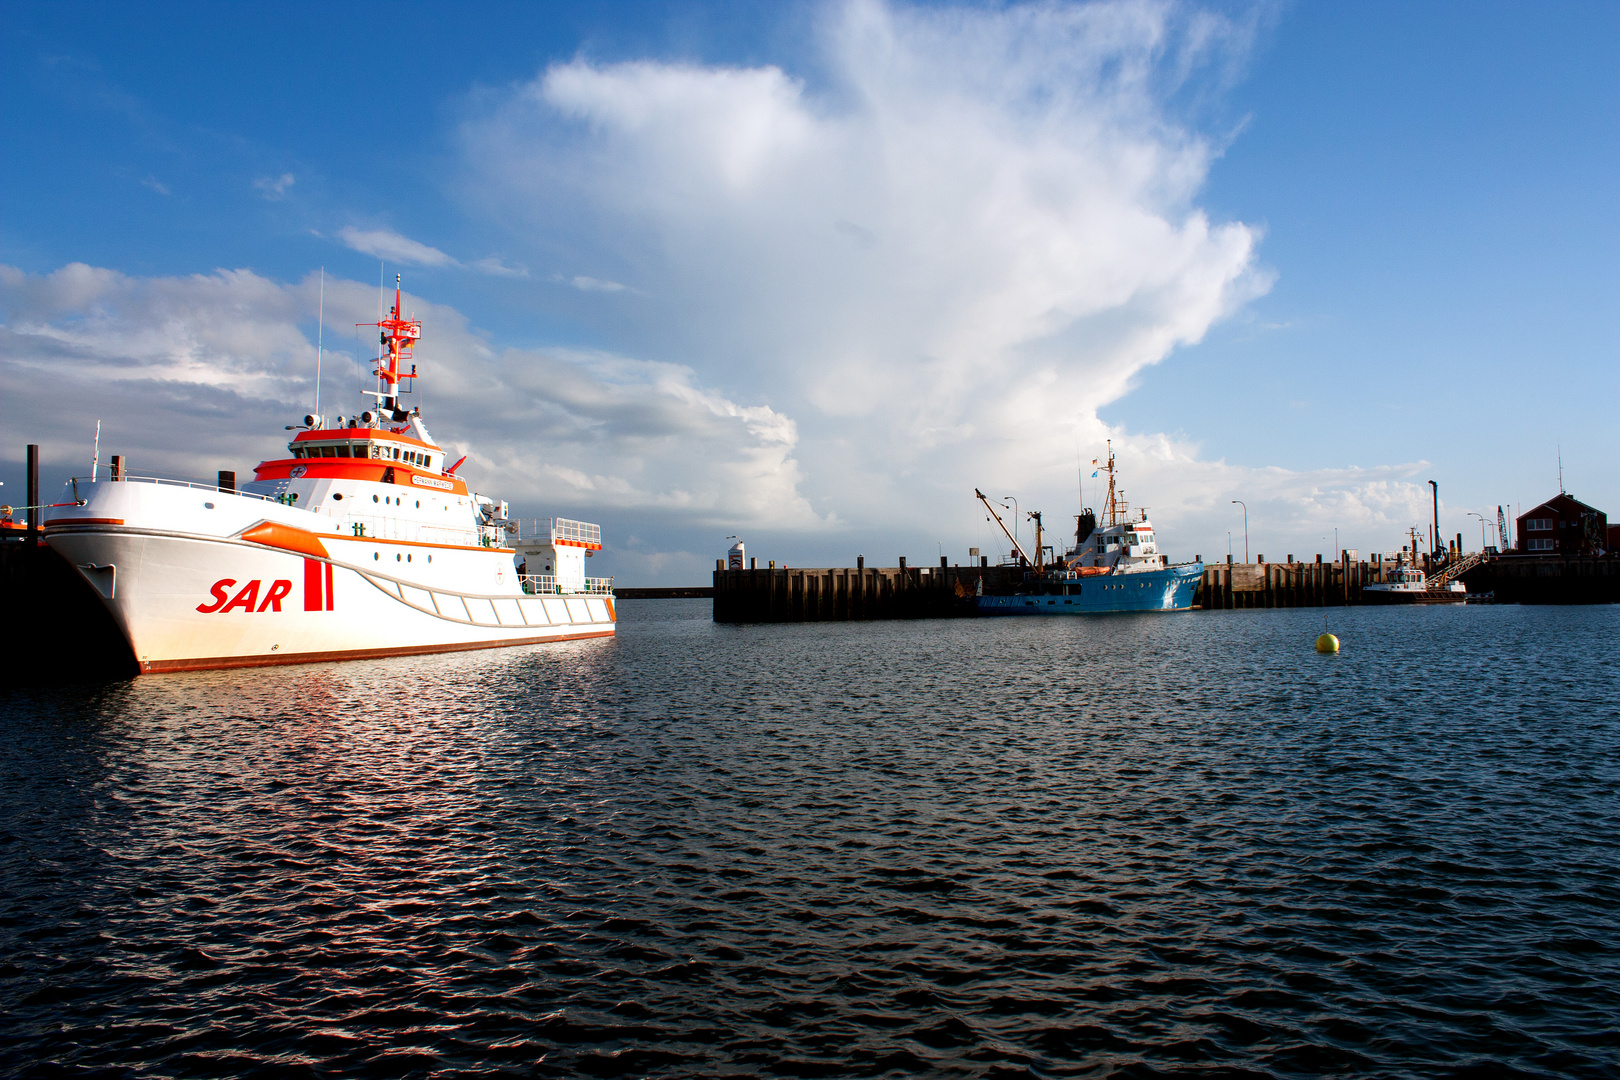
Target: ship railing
[
  {"x": 546, "y": 585},
  {"x": 383, "y": 527},
  {"x": 126, "y": 479},
  {"x": 547, "y": 530}
]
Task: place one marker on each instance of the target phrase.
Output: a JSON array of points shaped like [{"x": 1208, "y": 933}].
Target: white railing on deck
[
  {"x": 173, "y": 483},
  {"x": 546, "y": 585}
]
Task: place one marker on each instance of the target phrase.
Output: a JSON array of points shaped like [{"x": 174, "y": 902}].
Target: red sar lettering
[
  {"x": 247, "y": 598},
  {"x": 219, "y": 595}
]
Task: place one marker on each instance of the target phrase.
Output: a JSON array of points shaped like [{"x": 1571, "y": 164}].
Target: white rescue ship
[{"x": 362, "y": 542}]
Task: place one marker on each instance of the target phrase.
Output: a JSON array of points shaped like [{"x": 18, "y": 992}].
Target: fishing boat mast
[{"x": 1115, "y": 510}]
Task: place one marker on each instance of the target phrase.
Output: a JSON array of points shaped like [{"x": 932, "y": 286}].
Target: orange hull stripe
[
  {"x": 287, "y": 538},
  {"x": 209, "y": 663},
  {"x": 64, "y": 522}
]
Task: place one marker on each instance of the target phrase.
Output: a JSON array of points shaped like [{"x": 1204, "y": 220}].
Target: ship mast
[
  {"x": 1111, "y": 508},
  {"x": 399, "y": 337}
]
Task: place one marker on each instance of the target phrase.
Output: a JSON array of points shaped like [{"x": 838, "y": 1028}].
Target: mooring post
[{"x": 33, "y": 493}]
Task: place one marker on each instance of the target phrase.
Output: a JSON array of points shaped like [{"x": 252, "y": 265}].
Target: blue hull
[{"x": 1170, "y": 589}]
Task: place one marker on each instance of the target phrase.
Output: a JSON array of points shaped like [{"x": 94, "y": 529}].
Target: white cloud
[
  {"x": 940, "y": 260},
  {"x": 197, "y": 373},
  {"x": 274, "y": 187},
  {"x": 156, "y": 185},
  {"x": 390, "y": 245}
]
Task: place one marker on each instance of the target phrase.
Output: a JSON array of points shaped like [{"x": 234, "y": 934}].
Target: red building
[{"x": 1563, "y": 525}]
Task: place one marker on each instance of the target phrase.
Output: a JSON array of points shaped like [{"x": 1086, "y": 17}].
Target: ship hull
[
  {"x": 186, "y": 600},
  {"x": 1370, "y": 595},
  {"x": 1170, "y": 589}
]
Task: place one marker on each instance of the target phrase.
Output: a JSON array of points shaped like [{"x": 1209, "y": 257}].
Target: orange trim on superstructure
[
  {"x": 209, "y": 663},
  {"x": 287, "y": 538},
  {"x": 363, "y": 470}
]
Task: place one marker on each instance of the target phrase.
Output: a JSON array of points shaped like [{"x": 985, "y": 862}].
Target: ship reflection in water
[{"x": 974, "y": 847}]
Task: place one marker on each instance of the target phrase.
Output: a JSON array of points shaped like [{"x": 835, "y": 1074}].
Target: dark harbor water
[{"x": 1129, "y": 845}]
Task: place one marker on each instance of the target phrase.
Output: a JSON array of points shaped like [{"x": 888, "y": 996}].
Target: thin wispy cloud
[
  {"x": 274, "y": 188},
  {"x": 156, "y": 185},
  {"x": 590, "y": 284},
  {"x": 498, "y": 268},
  {"x": 390, "y": 245}
]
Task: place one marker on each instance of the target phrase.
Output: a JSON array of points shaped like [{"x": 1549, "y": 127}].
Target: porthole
[
  {"x": 430, "y": 558},
  {"x": 375, "y": 556},
  {"x": 419, "y": 504},
  {"x": 407, "y": 558},
  {"x": 396, "y": 556},
  {"x": 337, "y": 495},
  {"x": 374, "y": 498},
  {"x": 208, "y": 506}
]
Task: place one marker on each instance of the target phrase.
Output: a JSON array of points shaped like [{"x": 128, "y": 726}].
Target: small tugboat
[
  {"x": 1112, "y": 568},
  {"x": 1409, "y": 585},
  {"x": 361, "y": 542}
]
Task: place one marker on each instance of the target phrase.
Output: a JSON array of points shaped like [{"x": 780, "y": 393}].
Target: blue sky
[{"x": 813, "y": 271}]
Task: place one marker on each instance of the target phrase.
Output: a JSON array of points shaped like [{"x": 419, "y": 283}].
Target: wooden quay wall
[
  {"x": 834, "y": 594},
  {"x": 839, "y": 594},
  {"x": 1285, "y": 584}
]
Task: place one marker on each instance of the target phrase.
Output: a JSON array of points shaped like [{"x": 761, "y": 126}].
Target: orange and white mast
[{"x": 399, "y": 337}]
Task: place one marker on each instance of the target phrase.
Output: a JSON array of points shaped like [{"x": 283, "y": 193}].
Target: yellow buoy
[{"x": 1327, "y": 643}]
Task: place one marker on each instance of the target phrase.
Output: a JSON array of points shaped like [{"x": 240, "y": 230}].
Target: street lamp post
[
  {"x": 1245, "y": 506},
  {"x": 1481, "y": 529},
  {"x": 1434, "y": 537}
]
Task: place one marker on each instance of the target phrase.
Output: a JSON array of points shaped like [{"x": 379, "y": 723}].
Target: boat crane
[{"x": 1008, "y": 533}]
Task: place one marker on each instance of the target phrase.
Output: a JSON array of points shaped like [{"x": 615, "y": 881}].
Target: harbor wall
[
  {"x": 1548, "y": 579},
  {"x": 839, "y": 594},
  {"x": 1286, "y": 584},
  {"x": 836, "y": 594}
]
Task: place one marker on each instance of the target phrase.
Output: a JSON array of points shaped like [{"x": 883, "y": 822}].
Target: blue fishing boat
[{"x": 1112, "y": 567}]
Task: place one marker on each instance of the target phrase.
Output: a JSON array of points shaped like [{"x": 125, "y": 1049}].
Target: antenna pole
[
  {"x": 320, "y": 322},
  {"x": 95, "y": 456}
]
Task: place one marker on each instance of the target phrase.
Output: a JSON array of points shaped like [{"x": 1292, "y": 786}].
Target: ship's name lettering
[
  {"x": 432, "y": 482},
  {"x": 247, "y": 597}
]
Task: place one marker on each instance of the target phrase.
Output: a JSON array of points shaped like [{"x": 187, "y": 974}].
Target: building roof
[{"x": 1563, "y": 504}]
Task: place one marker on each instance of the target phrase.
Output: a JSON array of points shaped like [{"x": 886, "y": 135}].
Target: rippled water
[{"x": 1132, "y": 845}]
